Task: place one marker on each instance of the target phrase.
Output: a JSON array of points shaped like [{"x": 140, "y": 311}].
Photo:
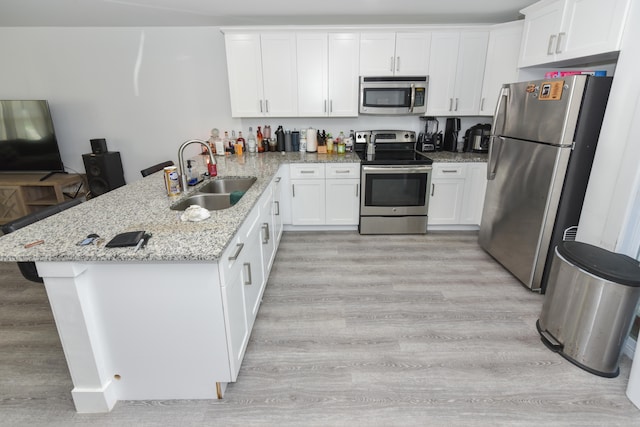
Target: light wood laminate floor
[{"x": 353, "y": 330}]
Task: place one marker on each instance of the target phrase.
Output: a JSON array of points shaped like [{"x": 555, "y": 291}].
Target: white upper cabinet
[
  {"x": 395, "y": 53},
  {"x": 262, "y": 74},
  {"x": 327, "y": 74},
  {"x": 502, "y": 63},
  {"x": 562, "y": 30},
  {"x": 457, "y": 62}
]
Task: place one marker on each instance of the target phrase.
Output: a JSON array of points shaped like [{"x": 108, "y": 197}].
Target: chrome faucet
[{"x": 183, "y": 177}]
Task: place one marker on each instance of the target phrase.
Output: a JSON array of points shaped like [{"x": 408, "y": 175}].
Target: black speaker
[
  {"x": 98, "y": 146},
  {"x": 104, "y": 172}
]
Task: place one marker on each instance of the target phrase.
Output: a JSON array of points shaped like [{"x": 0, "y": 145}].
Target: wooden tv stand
[{"x": 24, "y": 193}]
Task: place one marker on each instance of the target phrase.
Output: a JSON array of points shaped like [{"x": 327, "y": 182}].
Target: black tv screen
[{"x": 27, "y": 139}]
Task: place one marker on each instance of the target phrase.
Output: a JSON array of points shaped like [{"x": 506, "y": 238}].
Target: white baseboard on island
[{"x": 89, "y": 401}]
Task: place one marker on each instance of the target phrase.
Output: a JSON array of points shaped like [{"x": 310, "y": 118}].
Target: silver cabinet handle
[
  {"x": 235, "y": 256},
  {"x": 450, "y": 103},
  {"x": 482, "y": 104},
  {"x": 267, "y": 104},
  {"x": 559, "y": 42},
  {"x": 277, "y": 203},
  {"x": 261, "y": 106},
  {"x": 433, "y": 188},
  {"x": 391, "y": 64},
  {"x": 293, "y": 190},
  {"x": 247, "y": 267},
  {"x": 457, "y": 99},
  {"x": 331, "y": 105},
  {"x": 449, "y": 170},
  {"x": 325, "y": 105},
  {"x": 357, "y": 190},
  {"x": 552, "y": 37},
  {"x": 397, "y": 63},
  {"x": 278, "y": 179},
  {"x": 342, "y": 171},
  {"x": 307, "y": 171},
  {"x": 265, "y": 234}
]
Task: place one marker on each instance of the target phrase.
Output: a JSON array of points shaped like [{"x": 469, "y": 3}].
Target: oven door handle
[{"x": 398, "y": 168}]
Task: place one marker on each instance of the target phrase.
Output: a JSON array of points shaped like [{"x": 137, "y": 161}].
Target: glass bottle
[
  {"x": 251, "y": 142},
  {"x": 259, "y": 141},
  {"x": 241, "y": 140}
]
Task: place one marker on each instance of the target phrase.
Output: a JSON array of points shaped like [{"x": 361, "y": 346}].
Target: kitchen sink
[
  {"x": 227, "y": 185},
  {"x": 212, "y": 202}
]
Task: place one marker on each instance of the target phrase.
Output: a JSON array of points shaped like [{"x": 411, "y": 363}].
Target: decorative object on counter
[
  {"x": 295, "y": 140},
  {"x": 251, "y": 142},
  {"x": 312, "y": 140},
  {"x": 279, "y": 139},
  {"x": 172, "y": 180},
  {"x": 259, "y": 144},
  {"x": 288, "y": 146},
  {"x": 194, "y": 213},
  {"x": 215, "y": 142}
]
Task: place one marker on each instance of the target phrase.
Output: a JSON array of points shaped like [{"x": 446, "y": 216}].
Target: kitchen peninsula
[{"x": 171, "y": 320}]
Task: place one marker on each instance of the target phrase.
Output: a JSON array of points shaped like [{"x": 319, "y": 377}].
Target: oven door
[{"x": 395, "y": 190}]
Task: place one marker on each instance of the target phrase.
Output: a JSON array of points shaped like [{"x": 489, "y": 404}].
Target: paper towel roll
[{"x": 312, "y": 141}]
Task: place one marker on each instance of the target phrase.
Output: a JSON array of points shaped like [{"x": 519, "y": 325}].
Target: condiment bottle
[{"x": 259, "y": 145}]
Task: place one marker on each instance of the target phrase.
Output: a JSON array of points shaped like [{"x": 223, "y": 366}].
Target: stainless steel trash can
[{"x": 589, "y": 306}]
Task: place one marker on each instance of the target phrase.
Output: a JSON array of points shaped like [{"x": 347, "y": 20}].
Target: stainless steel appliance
[
  {"x": 540, "y": 156},
  {"x": 476, "y": 138},
  {"x": 430, "y": 139},
  {"x": 395, "y": 182},
  {"x": 393, "y": 95}
]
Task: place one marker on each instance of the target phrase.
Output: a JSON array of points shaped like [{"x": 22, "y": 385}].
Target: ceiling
[{"x": 116, "y": 13}]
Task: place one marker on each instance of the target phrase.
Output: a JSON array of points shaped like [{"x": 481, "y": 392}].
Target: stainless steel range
[{"x": 395, "y": 181}]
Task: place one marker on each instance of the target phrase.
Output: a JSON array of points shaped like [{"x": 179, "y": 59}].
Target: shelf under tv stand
[{"x": 24, "y": 193}]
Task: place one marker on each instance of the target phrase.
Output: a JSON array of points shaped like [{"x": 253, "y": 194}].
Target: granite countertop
[
  {"x": 144, "y": 205},
  {"x": 451, "y": 157}
]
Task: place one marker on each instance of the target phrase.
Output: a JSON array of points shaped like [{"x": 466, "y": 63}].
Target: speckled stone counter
[
  {"x": 144, "y": 205},
  {"x": 449, "y": 157}
]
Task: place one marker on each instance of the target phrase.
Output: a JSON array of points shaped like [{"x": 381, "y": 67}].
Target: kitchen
[{"x": 198, "y": 94}]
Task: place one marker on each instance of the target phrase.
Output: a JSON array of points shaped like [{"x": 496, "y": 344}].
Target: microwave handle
[{"x": 413, "y": 97}]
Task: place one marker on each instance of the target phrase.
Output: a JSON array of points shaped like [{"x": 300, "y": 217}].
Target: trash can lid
[{"x": 614, "y": 267}]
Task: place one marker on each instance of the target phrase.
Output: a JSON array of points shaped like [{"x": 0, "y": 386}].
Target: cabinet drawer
[
  {"x": 449, "y": 170},
  {"x": 307, "y": 170},
  {"x": 231, "y": 260},
  {"x": 342, "y": 170}
]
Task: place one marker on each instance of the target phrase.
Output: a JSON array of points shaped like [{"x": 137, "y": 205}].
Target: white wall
[{"x": 145, "y": 90}]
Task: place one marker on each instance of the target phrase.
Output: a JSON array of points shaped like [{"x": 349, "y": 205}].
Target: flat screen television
[{"x": 27, "y": 139}]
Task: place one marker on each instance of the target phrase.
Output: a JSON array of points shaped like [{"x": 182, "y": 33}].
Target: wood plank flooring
[{"x": 353, "y": 330}]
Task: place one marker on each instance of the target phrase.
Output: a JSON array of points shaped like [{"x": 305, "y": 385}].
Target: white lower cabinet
[
  {"x": 325, "y": 194},
  {"x": 457, "y": 193}
]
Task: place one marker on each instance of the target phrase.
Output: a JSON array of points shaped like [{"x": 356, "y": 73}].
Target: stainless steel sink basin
[
  {"x": 212, "y": 202},
  {"x": 227, "y": 185}
]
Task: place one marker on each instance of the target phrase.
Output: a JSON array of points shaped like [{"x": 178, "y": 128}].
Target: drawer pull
[
  {"x": 433, "y": 189},
  {"x": 277, "y": 203},
  {"x": 247, "y": 267},
  {"x": 342, "y": 171},
  {"x": 449, "y": 170},
  {"x": 265, "y": 233},
  {"x": 235, "y": 256},
  {"x": 278, "y": 179},
  {"x": 357, "y": 190},
  {"x": 307, "y": 171}
]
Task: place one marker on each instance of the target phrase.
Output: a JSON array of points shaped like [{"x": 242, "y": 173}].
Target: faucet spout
[{"x": 183, "y": 176}]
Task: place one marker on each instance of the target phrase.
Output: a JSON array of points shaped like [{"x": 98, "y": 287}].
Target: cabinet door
[
  {"x": 234, "y": 307},
  {"x": 277, "y": 210},
  {"x": 502, "y": 63},
  {"x": 244, "y": 67},
  {"x": 312, "y": 59},
  {"x": 445, "y": 202},
  {"x": 307, "y": 201},
  {"x": 472, "y": 54},
  {"x": 253, "y": 278},
  {"x": 342, "y": 201},
  {"x": 279, "y": 73},
  {"x": 591, "y": 27},
  {"x": 474, "y": 190},
  {"x": 343, "y": 74},
  {"x": 442, "y": 72},
  {"x": 377, "y": 53},
  {"x": 267, "y": 230},
  {"x": 539, "y": 37},
  {"x": 412, "y": 54}
]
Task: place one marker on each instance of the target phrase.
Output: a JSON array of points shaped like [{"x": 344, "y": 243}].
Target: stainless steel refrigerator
[{"x": 544, "y": 136}]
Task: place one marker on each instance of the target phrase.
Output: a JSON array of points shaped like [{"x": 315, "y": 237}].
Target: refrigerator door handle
[
  {"x": 495, "y": 148},
  {"x": 500, "y": 115}
]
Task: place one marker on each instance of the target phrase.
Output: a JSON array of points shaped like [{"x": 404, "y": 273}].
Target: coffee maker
[
  {"x": 451, "y": 134},
  {"x": 430, "y": 139}
]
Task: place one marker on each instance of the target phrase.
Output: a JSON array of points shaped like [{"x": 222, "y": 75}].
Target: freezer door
[
  {"x": 543, "y": 110},
  {"x": 521, "y": 204}
]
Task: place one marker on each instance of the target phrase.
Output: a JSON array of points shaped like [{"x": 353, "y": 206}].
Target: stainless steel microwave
[{"x": 393, "y": 95}]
